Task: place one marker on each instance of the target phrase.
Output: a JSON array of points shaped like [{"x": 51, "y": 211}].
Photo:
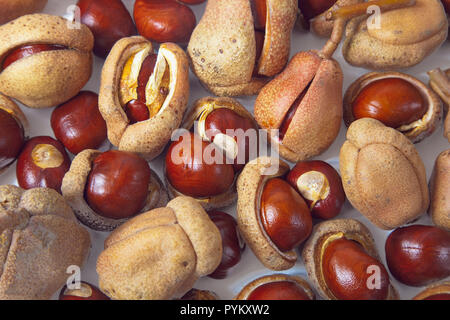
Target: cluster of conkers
[
  {"x": 158, "y": 249},
  {"x": 275, "y": 211}
]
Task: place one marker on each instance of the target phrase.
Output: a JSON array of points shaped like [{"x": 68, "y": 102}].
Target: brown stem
[
  {"x": 335, "y": 38},
  {"x": 359, "y": 9},
  {"x": 343, "y": 14}
]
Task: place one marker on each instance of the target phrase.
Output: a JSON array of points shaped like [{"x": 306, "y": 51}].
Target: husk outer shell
[{"x": 383, "y": 175}]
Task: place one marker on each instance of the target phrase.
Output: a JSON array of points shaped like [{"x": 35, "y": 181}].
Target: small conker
[
  {"x": 197, "y": 168},
  {"x": 109, "y": 21},
  {"x": 284, "y": 215},
  {"x": 117, "y": 186},
  {"x": 78, "y": 123},
  {"x": 321, "y": 187},
  {"x": 232, "y": 244},
  {"x": 222, "y": 119},
  {"x": 346, "y": 270},
  {"x": 86, "y": 291},
  {"x": 393, "y": 101},
  {"x": 164, "y": 20},
  {"x": 12, "y": 138},
  {"x": 418, "y": 255},
  {"x": 43, "y": 162}
]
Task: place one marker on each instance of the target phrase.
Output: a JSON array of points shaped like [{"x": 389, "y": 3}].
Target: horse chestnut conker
[
  {"x": 321, "y": 187},
  {"x": 197, "y": 168},
  {"x": 393, "y": 101},
  {"x": 117, "y": 186},
  {"x": 43, "y": 162},
  {"x": 284, "y": 215},
  {"x": 346, "y": 270},
  {"x": 418, "y": 255},
  {"x": 232, "y": 244},
  {"x": 164, "y": 20},
  {"x": 78, "y": 123},
  {"x": 216, "y": 125},
  {"x": 109, "y": 21},
  {"x": 12, "y": 138}
]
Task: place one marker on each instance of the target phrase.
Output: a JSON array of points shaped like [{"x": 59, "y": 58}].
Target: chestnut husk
[
  {"x": 148, "y": 137},
  {"x": 440, "y": 83},
  {"x": 317, "y": 120},
  {"x": 222, "y": 48},
  {"x": 58, "y": 75},
  {"x": 383, "y": 175},
  {"x": 39, "y": 232},
  {"x": 439, "y": 184},
  {"x": 406, "y": 36},
  {"x": 425, "y": 126},
  {"x": 171, "y": 247},
  {"x": 248, "y": 289},
  {"x": 14, "y": 110},
  {"x": 311, "y": 253},
  {"x": 250, "y": 186},
  {"x": 74, "y": 183}
]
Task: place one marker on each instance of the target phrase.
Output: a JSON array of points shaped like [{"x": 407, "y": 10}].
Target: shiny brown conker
[
  {"x": 12, "y": 138},
  {"x": 393, "y": 101},
  {"x": 347, "y": 269},
  {"x": 284, "y": 215},
  {"x": 321, "y": 187},
  {"x": 418, "y": 255},
  {"x": 232, "y": 244},
  {"x": 78, "y": 123},
  {"x": 43, "y": 162},
  {"x": 197, "y": 168},
  {"x": 109, "y": 21},
  {"x": 117, "y": 186}
]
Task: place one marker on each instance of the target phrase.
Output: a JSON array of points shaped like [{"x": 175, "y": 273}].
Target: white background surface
[{"x": 250, "y": 268}]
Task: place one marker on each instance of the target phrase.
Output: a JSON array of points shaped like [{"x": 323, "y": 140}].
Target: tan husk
[
  {"x": 13, "y": 109},
  {"x": 440, "y": 191},
  {"x": 40, "y": 240},
  {"x": 317, "y": 120},
  {"x": 312, "y": 250},
  {"x": 440, "y": 83},
  {"x": 250, "y": 184},
  {"x": 160, "y": 253},
  {"x": 423, "y": 127},
  {"x": 12, "y": 9},
  {"x": 250, "y": 287},
  {"x": 74, "y": 184},
  {"x": 406, "y": 36},
  {"x": 383, "y": 175},
  {"x": 148, "y": 137},
  {"x": 222, "y": 49},
  {"x": 434, "y": 289},
  {"x": 58, "y": 75}
]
